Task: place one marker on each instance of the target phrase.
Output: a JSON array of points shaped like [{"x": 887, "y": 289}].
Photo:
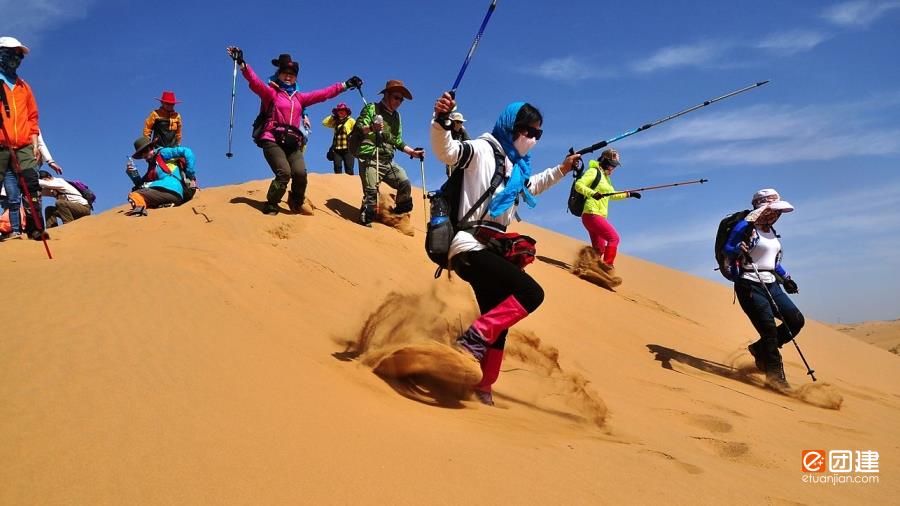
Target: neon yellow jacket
[{"x": 604, "y": 185}]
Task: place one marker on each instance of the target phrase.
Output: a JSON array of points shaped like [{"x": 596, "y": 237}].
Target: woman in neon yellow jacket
[{"x": 593, "y": 184}]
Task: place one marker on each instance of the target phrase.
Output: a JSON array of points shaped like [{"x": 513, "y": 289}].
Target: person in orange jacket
[
  {"x": 163, "y": 125},
  {"x": 18, "y": 136}
]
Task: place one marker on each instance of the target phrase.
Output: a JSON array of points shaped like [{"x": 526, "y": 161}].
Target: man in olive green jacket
[{"x": 380, "y": 124}]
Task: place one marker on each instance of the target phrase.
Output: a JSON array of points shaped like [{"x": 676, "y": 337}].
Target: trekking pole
[
  {"x": 359, "y": 89},
  {"x": 229, "y": 154},
  {"x": 14, "y": 158},
  {"x": 652, "y": 124},
  {"x": 787, "y": 327},
  {"x": 378, "y": 121},
  {"x": 670, "y": 185},
  {"x": 424, "y": 192},
  {"x": 443, "y": 118}
]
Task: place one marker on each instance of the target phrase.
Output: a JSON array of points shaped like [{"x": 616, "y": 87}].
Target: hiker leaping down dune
[{"x": 482, "y": 253}]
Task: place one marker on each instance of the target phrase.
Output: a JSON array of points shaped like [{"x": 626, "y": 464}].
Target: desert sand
[
  {"x": 883, "y": 334},
  {"x": 209, "y": 354}
]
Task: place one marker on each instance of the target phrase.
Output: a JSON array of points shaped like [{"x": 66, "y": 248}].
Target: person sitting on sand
[
  {"x": 170, "y": 179},
  {"x": 751, "y": 242},
  {"x": 505, "y": 292}
]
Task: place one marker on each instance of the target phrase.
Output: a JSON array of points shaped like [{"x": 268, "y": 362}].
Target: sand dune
[
  {"x": 883, "y": 334},
  {"x": 209, "y": 354}
]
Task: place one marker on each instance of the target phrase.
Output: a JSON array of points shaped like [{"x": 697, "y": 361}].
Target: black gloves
[
  {"x": 418, "y": 153},
  {"x": 634, "y": 195},
  {"x": 237, "y": 54},
  {"x": 790, "y": 286},
  {"x": 353, "y": 82}
]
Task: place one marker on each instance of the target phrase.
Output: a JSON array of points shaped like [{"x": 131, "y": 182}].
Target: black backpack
[
  {"x": 443, "y": 225},
  {"x": 725, "y": 227},
  {"x": 576, "y": 200}
]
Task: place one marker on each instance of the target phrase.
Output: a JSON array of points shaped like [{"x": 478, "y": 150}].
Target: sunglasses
[
  {"x": 532, "y": 133},
  {"x": 398, "y": 98}
]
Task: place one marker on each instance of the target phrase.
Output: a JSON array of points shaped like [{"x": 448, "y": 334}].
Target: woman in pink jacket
[{"x": 277, "y": 129}]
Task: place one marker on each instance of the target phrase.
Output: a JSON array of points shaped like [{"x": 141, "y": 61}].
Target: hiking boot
[
  {"x": 757, "y": 356},
  {"x": 775, "y": 377},
  {"x": 403, "y": 207},
  {"x": 605, "y": 267},
  {"x": 486, "y": 398},
  {"x": 472, "y": 342},
  {"x": 137, "y": 211},
  {"x": 270, "y": 208},
  {"x": 39, "y": 235},
  {"x": 10, "y": 236},
  {"x": 366, "y": 216}
]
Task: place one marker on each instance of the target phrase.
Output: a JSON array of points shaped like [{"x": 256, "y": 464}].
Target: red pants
[{"x": 604, "y": 237}]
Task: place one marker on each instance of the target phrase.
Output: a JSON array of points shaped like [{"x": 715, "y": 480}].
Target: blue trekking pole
[
  {"x": 443, "y": 119},
  {"x": 652, "y": 124}
]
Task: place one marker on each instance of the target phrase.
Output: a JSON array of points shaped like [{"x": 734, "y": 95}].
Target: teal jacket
[{"x": 171, "y": 180}]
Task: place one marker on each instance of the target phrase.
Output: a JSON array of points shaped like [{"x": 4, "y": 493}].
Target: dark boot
[
  {"x": 403, "y": 207},
  {"x": 775, "y": 377},
  {"x": 367, "y": 215},
  {"x": 270, "y": 208},
  {"x": 276, "y": 192},
  {"x": 757, "y": 356}
]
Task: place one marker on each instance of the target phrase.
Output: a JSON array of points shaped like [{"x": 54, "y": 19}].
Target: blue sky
[{"x": 825, "y": 132}]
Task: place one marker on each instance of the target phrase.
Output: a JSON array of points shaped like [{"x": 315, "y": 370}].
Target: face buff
[
  {"x": 10, "y": 58},
  {"x": 524, "y": 144}
]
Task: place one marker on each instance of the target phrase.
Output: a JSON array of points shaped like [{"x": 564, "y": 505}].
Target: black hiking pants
[
  {"x": 759, "y": 310},
  {"x": 494, "y": 279}
]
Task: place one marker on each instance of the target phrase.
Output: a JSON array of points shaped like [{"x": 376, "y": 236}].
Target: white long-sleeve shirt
[
  {"x": 477, "y": 179},
  {"x": 46, "y": 157},
  {"x": 61, "y": 189}
]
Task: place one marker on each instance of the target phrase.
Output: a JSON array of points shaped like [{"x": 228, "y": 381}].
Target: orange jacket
[{"x": 22, "y": 121}]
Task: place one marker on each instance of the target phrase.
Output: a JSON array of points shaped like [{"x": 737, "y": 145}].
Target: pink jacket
[{"x": 288, "y": 108}]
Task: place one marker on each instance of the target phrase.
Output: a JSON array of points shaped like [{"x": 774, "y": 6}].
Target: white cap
[
  {"x": 769, "y": 197},
  {"x": 12, "y": 42},
  {"x": 457, "y": 116}
]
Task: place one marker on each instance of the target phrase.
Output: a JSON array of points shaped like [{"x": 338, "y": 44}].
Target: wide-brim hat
[
  {"x": 141, "y": 144},
  {"x": 769, "y": 197},
  {"x": 341, "y": 107},
  {"x": 168, "y": 97},
  {"x": 13, "y": 42},
  {"x": 457, "y": 116},
  {"x": 396, "y": 85},
  {"x": 285, "y": 63}
]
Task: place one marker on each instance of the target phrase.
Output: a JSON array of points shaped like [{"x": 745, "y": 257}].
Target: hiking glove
[
  {"x": 634, "y": 195},
  {"x": 418, "y": 153},
  {"x": 353, "y": 82},
  {"x": 237, "y": 54},
  {"x": 790, "y": 286}
]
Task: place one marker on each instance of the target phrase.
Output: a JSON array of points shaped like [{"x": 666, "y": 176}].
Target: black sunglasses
[
  {"x": 399, "y": 98},
  {"x": 532, "y": 133}
]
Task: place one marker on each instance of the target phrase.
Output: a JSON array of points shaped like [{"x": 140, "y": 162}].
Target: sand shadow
[
  {"x": 429, "y": 391},
  {"x": 343, "y": 209},
  {"x": 571, "y": 417},
  {"x": 255, "y": 204},
  {"x": 554, "y": 262},
  {"x": 666, "y": 355}
]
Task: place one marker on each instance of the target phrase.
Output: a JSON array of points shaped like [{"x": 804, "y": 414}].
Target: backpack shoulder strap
[
  {"x": 496, "y": 179},
  {"x": 597, "y": 178}
]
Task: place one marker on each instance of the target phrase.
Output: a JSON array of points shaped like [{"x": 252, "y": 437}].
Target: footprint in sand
[
  {"x": 725, "y": 449},
  {"x": 282, "y": 231},
  {"x": 684, "y": 466}
]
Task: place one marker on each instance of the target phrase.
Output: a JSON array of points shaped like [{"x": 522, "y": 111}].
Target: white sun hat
[{"x": 13, "y": 42}]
